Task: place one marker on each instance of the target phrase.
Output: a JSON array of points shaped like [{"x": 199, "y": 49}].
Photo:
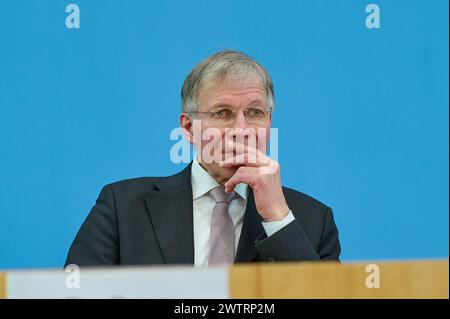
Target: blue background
[{"x": 362, "y": 113}]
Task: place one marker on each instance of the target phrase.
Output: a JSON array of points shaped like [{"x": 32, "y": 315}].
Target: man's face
[{"x": 226, "y": 97}]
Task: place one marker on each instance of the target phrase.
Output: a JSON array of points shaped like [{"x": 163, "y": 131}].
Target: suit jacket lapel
[
  {"x": 170, "y": 208},
  {"x": 251, "y": 230}
]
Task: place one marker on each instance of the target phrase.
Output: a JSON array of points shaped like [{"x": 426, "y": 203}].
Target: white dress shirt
[{"x": 203, "y": 205}]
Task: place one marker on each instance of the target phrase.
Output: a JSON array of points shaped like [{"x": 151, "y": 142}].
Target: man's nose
[{"x": 240, "y": 121}]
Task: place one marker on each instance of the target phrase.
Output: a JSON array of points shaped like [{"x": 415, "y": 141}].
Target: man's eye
[
  {"x": 255, "y": 112},
  {"x": 221, "y": 113}
]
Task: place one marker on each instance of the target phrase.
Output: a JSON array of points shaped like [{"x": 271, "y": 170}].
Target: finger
[
  {"x": 246, "y": 159},
  {"x": 242, "y": 175},
  {"x": 252, "y": 157}
]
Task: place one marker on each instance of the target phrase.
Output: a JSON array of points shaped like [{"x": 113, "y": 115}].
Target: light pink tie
[{"x": 221, "y": 242}]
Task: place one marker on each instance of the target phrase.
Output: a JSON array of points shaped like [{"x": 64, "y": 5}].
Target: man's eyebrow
[
  {"x": 222, "y": 105},
  {"x": 256, "y": 102}
]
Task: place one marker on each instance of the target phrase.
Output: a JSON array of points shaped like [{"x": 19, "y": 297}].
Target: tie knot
[{"x": 219, "y": 195}]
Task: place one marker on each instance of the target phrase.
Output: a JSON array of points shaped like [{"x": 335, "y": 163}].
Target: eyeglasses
[{"x": 253, "y": 115}]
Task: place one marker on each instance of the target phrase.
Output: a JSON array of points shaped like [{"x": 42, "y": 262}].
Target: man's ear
[{"x": 186, "y": 125}]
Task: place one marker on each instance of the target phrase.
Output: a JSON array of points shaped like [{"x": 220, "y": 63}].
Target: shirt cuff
[{"x": 272, "y": 227}]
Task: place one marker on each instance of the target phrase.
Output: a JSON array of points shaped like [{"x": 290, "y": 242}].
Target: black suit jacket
[{"x": 150, "y": 221}]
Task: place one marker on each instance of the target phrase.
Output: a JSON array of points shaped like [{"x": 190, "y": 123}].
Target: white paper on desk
[{"x": 169, "y": 282}]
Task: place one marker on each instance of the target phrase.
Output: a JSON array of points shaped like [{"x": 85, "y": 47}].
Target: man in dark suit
[{"x": 227, "y": 205}]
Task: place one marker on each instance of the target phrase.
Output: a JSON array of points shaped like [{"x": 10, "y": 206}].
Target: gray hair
[{"x": 226, "y": 64}]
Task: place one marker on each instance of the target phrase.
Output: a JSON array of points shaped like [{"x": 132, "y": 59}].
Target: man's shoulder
[
  {"x": 149, "y": 183},
  {"x": 134, "y": 183}
]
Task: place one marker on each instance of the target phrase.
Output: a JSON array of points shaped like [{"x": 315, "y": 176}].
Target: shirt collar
[{"x": 202, "y": 182}]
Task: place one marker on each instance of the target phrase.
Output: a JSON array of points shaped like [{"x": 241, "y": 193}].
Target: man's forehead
[{"x": 251, "y": 88}]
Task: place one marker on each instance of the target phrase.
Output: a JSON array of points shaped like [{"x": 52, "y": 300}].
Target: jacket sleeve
[
  {"x": 97, "y": 240},
  {"x": 329, "y": 248},
  {"x": 291, "y": 243}
]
